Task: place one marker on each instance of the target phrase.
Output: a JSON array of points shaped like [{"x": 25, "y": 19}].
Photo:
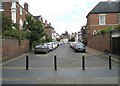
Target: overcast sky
[{"x": 67, "y": 15}]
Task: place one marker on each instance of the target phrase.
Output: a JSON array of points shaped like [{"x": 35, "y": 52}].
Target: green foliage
[
  {"x": 109, "y": 29},
  {"x": 6, "y": 23},
  {"x": 72, "y": 39},
  {"x": 117, "y": 27},
  {"x": 104, "y": 30},
  {"x": 49, "y": 39},
  {"x": 35, "y": 30},
  {"x": 58, "y": 39}
]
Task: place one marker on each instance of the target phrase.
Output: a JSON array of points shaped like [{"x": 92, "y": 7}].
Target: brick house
[
  {"x": 104, "y": 14},
  {"x": 48, "y": 29},
  {"x": 15, "y": 12}
]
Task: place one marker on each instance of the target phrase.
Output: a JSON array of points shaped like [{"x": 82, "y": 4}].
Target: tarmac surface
[{"x": 69, "y": 68}]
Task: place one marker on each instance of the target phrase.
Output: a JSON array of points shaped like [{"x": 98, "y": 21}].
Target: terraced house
[
  {"x": 103, "y": 15},
  {"x": 15, "y": 12}
]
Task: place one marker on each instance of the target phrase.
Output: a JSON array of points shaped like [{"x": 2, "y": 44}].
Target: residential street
[{"x": 69, "y": 68}]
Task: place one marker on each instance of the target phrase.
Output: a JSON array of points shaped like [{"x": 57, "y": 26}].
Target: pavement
[
  {"x": 97, "y": 52},
  {"x": 69, "y": 70}
]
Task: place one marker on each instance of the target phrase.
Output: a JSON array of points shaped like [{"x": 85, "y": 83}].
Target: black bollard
[
  {"x": 110, "y": 65},
  {"x": 27, "y": 63},
  {"x": 83, "y": 62},
  {"x": 55, "y": 63}
]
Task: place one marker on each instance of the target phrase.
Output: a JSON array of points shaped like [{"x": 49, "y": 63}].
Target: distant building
[
  {"x": 48, "y": 29},
  {"x": 65, "y": 37}
]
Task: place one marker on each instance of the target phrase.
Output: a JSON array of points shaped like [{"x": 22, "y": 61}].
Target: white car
[{"x": 50, "y": 46}]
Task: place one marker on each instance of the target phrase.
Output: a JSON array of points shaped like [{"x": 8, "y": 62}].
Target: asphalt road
[
  {"x": 66, "y": 58},
  {"x": 69, "y": 69}
]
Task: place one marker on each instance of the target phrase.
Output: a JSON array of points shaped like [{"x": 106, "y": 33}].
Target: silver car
[{"x": 41, "y": 49}]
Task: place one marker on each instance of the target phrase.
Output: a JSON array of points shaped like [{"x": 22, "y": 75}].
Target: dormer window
[{"x": 102, "y": 19}]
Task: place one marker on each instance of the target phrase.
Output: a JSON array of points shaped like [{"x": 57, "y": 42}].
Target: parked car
[
  {"x": 50, "y": 46},
  {"x": 72, "y": 45},
  {"x": 41, "y": 49},
  {"x": 79, "y": 47}
]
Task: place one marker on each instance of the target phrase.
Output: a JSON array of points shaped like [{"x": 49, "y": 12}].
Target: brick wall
[
  {"x": 100, "y": 42},
  {"x": 7, "y": 9},
  {"x": 48, "y": 30},
  {"x": 12, "y": 49},
  {"x": 93, "y": 22}
]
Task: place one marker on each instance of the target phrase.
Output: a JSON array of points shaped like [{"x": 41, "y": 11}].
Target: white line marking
[
  {"x": 13, "y": 59},
  {"x": 58, "y": 68}
]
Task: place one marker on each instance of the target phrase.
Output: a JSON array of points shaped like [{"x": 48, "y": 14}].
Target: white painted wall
[{"x": 13, "y": 12}]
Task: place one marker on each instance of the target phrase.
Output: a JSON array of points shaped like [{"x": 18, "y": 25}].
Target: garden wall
[
  {"x": 11, "y": 48},
  {"x": 100, "y": 42}
]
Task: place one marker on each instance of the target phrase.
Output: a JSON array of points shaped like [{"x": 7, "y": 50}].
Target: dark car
[
  {"x": 79, "y": 47},
  {"x": 41, "y": 49}
]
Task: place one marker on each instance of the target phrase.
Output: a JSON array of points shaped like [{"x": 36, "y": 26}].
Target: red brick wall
[
  {"x": 100, "y": 42},
  {"x": 12, "y": 49},
  {"x": 48, "y": 30},
  {"x": 93, "y": 21},
  {"x": 7, "y": 9}
]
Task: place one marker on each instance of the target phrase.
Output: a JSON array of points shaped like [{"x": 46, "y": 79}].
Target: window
[
  {"x": 21, "y": 24},
  {"x": 1, "y": 7},
  {"x": 102, "y": 19},
  {"x": 20, "y": 11}
]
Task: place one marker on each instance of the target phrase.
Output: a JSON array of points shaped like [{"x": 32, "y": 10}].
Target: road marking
[
  {"x": 13, "y": 59},
  {"x": 53, "y": 78},
  {"x": 19, "y": 79},
  {"x": 42, "y": 55},
  {"x": 115, "y": 59},
  {"x": 52, "y": 68}
]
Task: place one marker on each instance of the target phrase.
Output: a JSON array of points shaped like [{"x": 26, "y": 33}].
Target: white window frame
[
  {"x": 102, "y": 19},
  {"x": 20, "y": 10},
  {"x": 21, "y": 24}
]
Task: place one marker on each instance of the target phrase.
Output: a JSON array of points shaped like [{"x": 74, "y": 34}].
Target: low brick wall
[
  {"x": 100, "y": 42},
  {"x": 11, "y": 48}
]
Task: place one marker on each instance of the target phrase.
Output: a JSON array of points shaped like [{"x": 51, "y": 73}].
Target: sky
[{"x": 64, "y": 15}]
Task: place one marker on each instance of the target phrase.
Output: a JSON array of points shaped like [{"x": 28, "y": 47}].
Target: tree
[
  {"x": 72, "y": 39},
  {"x": 6, "y": 23},
  {"x": 49, "y": 39},
  {"x": 34, "y": 28}
]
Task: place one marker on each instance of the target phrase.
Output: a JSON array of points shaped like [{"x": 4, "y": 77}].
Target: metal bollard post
[
  {"x": 27, "y": 63},
  {"x": 83, "y": 62},
  {"x": 55, "y": 63},
  {"x": 110, "y": 65}
]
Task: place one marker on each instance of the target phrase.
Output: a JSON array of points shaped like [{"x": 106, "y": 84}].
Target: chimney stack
[
  {"x": 50, "y": 24},
  {"x": 109, "y": 1},
  {"x": 26, "y": 6},
  {"x": 46, "y": 23}
]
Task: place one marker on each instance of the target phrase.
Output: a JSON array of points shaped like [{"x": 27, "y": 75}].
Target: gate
[{"x": 116, "y": 45}]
